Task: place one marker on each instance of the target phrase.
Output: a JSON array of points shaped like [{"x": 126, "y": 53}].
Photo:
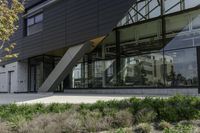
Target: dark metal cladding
[
  {"x": 31, "y": 3},
  {"x": 70, "y": 22}
]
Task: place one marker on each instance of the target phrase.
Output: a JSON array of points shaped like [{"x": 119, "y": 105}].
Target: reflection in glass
[
  {"x": 101, "y": 74},
  {"x": 181, "y": 68},
  {"x": 143, "y": 71},
  {"x": 182, "y": 31},
  {"x": 80, "y": 76},
  {"x": 143, "y": 59}
]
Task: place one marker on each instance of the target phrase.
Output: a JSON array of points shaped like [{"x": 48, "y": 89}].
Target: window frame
[{"x": 35, "y": 22}]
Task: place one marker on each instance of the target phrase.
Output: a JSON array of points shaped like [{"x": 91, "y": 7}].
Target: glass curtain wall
[
  {"x": 147, "y": 9},
  {"x": 140, "y": 55}
]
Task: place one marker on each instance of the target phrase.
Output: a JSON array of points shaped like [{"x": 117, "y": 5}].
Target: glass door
[
  {"x": 33, "y": 78},
  {"x": 36, "y": 77}
]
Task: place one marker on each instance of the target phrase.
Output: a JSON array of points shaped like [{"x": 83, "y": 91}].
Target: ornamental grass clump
[
  {"x": 5, "y": 128},
  {"x": 53, "y": 123},
  {"x": 145, "y": 115},
  {"x": 123, "y": 118},
  {"x": 143, "y": 128},
  {"x": 180, "y": 129},
  {"x": 94, "y": 122},
  {"x": 164, "y": 125}
]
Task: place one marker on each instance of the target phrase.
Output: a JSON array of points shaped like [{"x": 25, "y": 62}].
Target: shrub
[
  {"x": 172, "y": 109},
  {"x": 180, "y": 129},
  {"x": 5, "y": 128},
  {"x": 93, "y": 122},
  {"x": 16, "y": 121},
  {"x": 113, "y": 104},
  {"x": 120, "y": 131},
  {"x": 109, "y": 112},
  {"x": 143, "y": 128},
  {"x": 163, "y": 125},
  {"x": 53, "y": 123},
  {"x": 123, "y": 119},
  {"x": 16, "y": 113},
  {"x": 145, "y": 115},
  {"x": 179, "y": 108},
  {"x": 57, "y": 108},
  {"x": 186, "y": 123},
  {"x": 44, "y": 123},
  {"x": 196, "y": 123},
  {"x": 101, "y": 115},
  {"x": 125, "y": 130},
  {"x": 71, "y": 122}
]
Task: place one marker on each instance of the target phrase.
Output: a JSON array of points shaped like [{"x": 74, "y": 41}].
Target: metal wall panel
[{"x": 70, "y": 22}]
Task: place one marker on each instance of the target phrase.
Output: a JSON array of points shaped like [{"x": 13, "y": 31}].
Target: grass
[
  {"x": 138, "y": 114},
  {"x": 13, "y": 111}
]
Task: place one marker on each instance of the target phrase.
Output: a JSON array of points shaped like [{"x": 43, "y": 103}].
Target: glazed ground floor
[{"x": 164, "y": 73}]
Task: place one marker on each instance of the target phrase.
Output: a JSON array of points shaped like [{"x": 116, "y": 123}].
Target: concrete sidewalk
[{"x": 47, "y": 98}]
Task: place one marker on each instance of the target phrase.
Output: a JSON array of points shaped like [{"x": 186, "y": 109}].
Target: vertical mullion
[
  {"x": 29, "y": 77},
  {"x": 198, "y": 67},
  {"x": 118, "y": 57},
  {"x": 163, "y": 38}
]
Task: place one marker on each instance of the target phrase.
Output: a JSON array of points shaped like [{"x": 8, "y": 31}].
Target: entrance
[
  {"x": 35, "y": 77},
  {"x": 39, "y": 69},
  {"x": 10, "y": 81}
]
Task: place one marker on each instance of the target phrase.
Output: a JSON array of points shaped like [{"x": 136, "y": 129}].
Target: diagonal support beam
[{"x": 66, "y": 64}]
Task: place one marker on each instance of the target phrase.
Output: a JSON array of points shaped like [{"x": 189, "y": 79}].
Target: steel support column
[
  {"x": 118, "y": 57},
  {"x": 162, "y": 4}
]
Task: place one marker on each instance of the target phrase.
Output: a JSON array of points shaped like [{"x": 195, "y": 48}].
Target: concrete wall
[
  {"x": 22, "y": 77},
  {"x": 148, "y": 92},
  {"x": 19, "y": 77},
  {"x": 4, "y": 72}
]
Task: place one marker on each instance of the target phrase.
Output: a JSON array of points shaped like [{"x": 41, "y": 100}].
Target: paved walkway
[{"x": 48, "y": 98}]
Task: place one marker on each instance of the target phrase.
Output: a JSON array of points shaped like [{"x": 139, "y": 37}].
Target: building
[{"x": 106, "y": 46}]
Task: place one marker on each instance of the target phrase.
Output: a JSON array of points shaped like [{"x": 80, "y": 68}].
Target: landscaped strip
[{"x": 170, "y": 115}]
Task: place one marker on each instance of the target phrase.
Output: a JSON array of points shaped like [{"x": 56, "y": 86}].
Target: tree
[{"x": 9, "y": 16}]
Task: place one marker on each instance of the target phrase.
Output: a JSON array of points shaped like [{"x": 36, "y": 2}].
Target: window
[
  {"x": 181, "y": 68},
  {"x": 39, "y": 18},
  {"x": 196, "y": 22},
  {"x": 144, "y": 71},
  {"x": 34, "y": 24}
]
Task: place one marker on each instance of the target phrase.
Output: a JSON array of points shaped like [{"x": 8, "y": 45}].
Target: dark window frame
[{"x": 28, "y": 26}]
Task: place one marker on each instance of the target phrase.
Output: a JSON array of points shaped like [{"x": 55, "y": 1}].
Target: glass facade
[
  {"x": 147, "y": 9},
  {"x": 154, "y": 46},
  {"x": 182, "y": 70},
  {"x": 145, "y": 54}
]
